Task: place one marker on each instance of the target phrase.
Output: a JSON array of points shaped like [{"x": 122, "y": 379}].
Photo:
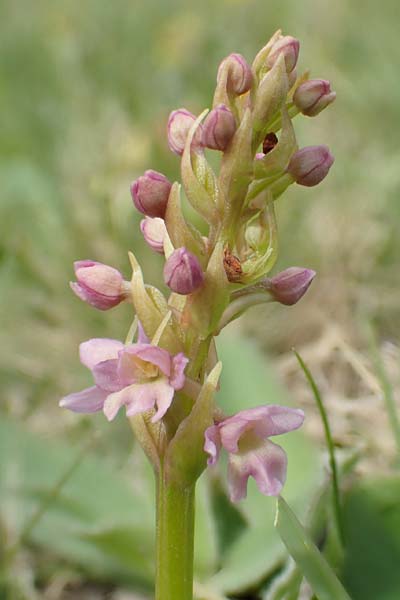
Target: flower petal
[
  {"x": 265, "y": 421},
  {"x": 163, "y": 394},
  {"x": 177, "y": 379},
  {"x": 152, "y": 354},
  {"x": 89, "y": 400},
  {"x": 267, "y": 464},
  {"x": 105, "y": 375},
  {"x": 98, "y": 349},
  {"x": 212, "y": 444}
]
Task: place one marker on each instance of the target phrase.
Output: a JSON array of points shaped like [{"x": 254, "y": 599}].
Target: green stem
[{"x": 175, "y": 539}]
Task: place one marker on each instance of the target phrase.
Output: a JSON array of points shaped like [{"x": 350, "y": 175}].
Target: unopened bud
[
  {"x": 179, "y": 123},
  {"x": 240, "y": 77},
  {"x": 290, "y": 285},
  {"x": 150, "y": 193},
  {"x": 289, "y": 47},
  {"x": 310, "y": 165},
  {"x": 154, "y": 232},
  {"x": 182, "y": 272},
  {"x": 99, "y": 285},
  {"x": 313, "y": 96},
  {"x": 219, "y": 128}
]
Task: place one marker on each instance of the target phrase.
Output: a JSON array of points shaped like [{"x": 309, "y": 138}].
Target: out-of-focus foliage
[{"x": 85, "y": 91}]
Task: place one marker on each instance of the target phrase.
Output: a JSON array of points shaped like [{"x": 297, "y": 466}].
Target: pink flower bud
[
  {"x": 310, "y": 165},
  {"x": 154, "y": 231},
  {"x": 179, "y": 123},
  {"x": 219, "y": 128},
  {"x": 99, "y": 285},
  {"x": 290, "y": 285},
  {"x": 313, "y": 96},
  {"x": 290, "y": 47},
  {"x": 240, "y": 77},
  {"x": 182, "y": 272},
  {"x": 150, "y": 193}
]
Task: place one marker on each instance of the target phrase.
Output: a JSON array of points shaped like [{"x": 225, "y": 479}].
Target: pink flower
[
  {"x": 245, "y": 437},
  {"x": 313, "y": 95},
  {"x": 219, "y": 128},
  {"x": 154, "y": 232},
  {"x": 99, "y": 285},
  {"x": 179, "y": 123},
  {"x": 150, "y": 193},
  {"x": 140, "y": 376},
  {"x": 240, "y": 77},
  {"x": 289, "y": 47},
  {"x": 182, "y": 272},
  {"x": 289, "y": 286},
  {"x": 310, "y": 165}
]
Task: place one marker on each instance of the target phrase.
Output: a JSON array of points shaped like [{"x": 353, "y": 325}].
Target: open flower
[
  {"x": 140, "y": 376},
  {"x": 251, "y": 454}
]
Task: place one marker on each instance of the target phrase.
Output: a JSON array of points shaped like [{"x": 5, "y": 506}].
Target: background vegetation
[{"x": 85, "y": 92}]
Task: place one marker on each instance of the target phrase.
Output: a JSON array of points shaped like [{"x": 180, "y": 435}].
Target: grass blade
[
  {"x": 310, "y": 561},
  {"x": 330, "y": 446}
]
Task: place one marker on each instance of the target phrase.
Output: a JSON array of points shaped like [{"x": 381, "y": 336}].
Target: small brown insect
[
  {"x": 232, "y": 266},
  {"x": 269, "y": 143}
]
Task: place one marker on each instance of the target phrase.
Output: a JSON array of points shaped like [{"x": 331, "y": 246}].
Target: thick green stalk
[{"x": 175, "y": 539}]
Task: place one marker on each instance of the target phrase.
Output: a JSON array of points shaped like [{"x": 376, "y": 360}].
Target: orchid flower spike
[
  {"x": 140, "y": 376},
  {"x": 251, "y": 454}
]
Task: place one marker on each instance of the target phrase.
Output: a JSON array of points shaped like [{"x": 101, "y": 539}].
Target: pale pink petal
[
  {"x": 140, "y": 400},
  {"x": 212, "y": 444},
  {"x": 163, "y": 394},
  {"x": 105, "y": 375},
  {"x": 89, "y": 400},
  {"x": 114, "y": 401},
  {"x": 263, "y": 420},
  {"x": 152, "y": 354},
  {"x": 267, "y": 464},
  {"x": 98, "y": 349},
  {"x": 177, "y": 378}
]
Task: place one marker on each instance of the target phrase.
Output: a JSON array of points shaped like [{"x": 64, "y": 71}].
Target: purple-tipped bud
[
  {"x": 150, "y": 193},
  {"x": 182, "y": 272},
  {"x": 219, "y": 128},
  {"x": 99, "y": 285},
  {"x": 154, "y": 232},
  {"x": 240, "y": 77},
  {"x": 290, "y": 285},
  {"x": 313, "y": 96},
  {"x": 179, "y": 123},
  {"x": 310, "y": 165},
  {"x": 287, "y": 45}
]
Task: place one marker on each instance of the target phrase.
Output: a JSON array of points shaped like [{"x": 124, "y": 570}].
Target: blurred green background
[{"x": 85, "y": 92}]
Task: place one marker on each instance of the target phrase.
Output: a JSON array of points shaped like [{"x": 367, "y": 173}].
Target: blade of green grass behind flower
[{"x": 310, "y": 561}]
